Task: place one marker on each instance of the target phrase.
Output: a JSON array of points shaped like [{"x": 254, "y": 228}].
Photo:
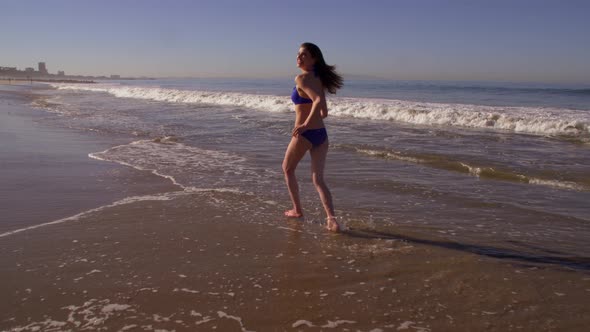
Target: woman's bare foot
[
  {"x": 332, "y": 225},
  {"x": 293, "y": 214}
]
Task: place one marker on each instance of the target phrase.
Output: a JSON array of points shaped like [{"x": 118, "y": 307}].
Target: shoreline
[
  {"x": 29, "y": 81},
  {"x": 144, "y": 255},
  {"x": 46, "y": 172}
]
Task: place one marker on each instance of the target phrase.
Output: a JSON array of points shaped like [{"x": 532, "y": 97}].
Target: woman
[{"x": 310, "y": 133}]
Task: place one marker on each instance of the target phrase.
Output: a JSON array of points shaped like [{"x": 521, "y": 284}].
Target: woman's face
[{"x": 304, "y": 59}]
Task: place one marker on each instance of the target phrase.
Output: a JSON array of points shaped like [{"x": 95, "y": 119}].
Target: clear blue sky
[{"x": 438, "y": 39}]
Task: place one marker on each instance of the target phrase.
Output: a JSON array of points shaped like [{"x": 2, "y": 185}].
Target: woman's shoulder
[
  {"x": 305, "y": 79},
  {"x": 301, "y": 78}
]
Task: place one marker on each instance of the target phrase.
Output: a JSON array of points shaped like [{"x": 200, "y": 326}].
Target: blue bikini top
[{"x": 297, "y": 99}]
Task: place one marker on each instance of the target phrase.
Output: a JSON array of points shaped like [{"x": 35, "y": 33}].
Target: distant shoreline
[{"x": 20, "y": 81}]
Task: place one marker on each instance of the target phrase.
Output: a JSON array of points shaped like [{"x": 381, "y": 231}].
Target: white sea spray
[{"x": 529, "y": 120}]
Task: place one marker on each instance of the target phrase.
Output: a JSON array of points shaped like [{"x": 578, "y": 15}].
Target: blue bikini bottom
[{"x": 316, "y": 136}]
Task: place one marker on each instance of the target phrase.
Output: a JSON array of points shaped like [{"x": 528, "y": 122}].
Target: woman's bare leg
[
  {"x": 295, "y": 152},
  {"x": 318, "y": 163}
]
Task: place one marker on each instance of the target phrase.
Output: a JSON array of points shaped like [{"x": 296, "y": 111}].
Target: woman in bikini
[{"x": 310, "y": 133}]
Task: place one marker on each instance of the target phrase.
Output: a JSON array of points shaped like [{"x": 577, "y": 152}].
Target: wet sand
[
  {"x": 5, "y": 81},
  {"x": 187, "y": 264},
  {"x": 202, "y": 259},
  {"x": 45, "y": 171}
]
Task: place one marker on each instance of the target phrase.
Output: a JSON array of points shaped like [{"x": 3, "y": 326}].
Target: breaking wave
[{"x": 527, "y": 120}]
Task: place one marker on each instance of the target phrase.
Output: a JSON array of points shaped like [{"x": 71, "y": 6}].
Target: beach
[
  {"x": 28, "y": 81},
  {"x": 155, "y": 265},
  {"x": 46, "y": 173},
  {"x": 120, "y": 216},
  {"x": 14, "y": 81}
]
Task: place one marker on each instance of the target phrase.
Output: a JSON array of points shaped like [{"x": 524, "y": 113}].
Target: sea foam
[
  {"x": 529, "y": 120},
  {"x": 184, "y": 165}
]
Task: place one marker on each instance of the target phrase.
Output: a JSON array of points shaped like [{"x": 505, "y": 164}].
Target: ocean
[
  {"x": 500, "y": 165},
  {"x": 158, "y": 205}
]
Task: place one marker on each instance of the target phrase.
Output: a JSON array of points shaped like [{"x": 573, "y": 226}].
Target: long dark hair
[{"x": 331, "y": 80}]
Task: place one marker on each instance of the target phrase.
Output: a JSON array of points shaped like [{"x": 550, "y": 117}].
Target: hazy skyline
[{"x": 535, "y": 41}]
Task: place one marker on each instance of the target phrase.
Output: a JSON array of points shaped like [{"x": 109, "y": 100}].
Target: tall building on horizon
[{"x": 42, "y": 68}]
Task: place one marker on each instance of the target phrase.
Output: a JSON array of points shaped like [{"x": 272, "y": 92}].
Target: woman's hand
[{"x": 298, "y": 130}]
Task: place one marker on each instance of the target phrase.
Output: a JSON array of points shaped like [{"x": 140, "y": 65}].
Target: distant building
[
  {"x": 115, "y": 77},
  {"x": 8, "y": 70},
  {"x": 61, "y": 73},
  {"x": 30, "y": 70},
  {"x": 42, "y": 68}
]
